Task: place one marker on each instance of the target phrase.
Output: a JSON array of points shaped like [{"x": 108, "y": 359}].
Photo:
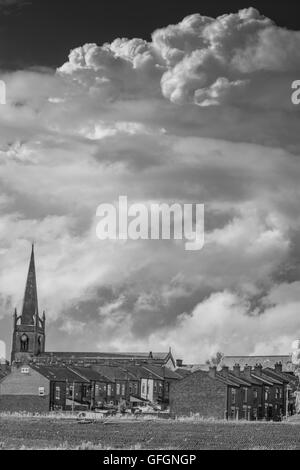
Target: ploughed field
[{"x": 53, "y": 433}]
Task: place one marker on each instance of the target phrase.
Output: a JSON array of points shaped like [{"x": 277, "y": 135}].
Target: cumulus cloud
[
  {"x": 201, "y": 60},
  {"x": 201, "y": 113}
]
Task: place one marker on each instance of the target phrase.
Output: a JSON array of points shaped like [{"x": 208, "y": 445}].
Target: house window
[
  {"x": 277, "y": 393},
  {"x": 24, "y": 370},
  {"x": 57, "y": 393},
  {"x": 155, "y": 386},
  {"x": 41, "y": 391},
  {"x": 123, "y": 389},
  {"x": 255, "y": 394},
  {"x": 167, "y": 386},
  {"x": 254, "y": 413},
  {"x": 245, "y": 394},
  {"x": 143, "y": 389},
  {"x": 233, "y": 396},
  {"x": 118, "y": 389},
  {"x": 109, "y": 390},
  {"x": 135, "y": 387},
  {"x": 130, "y": 387},
  {"x": 245, "y": 412}
]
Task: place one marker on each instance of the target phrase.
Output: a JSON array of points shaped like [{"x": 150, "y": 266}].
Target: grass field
[{"x": 52, "y": 433}]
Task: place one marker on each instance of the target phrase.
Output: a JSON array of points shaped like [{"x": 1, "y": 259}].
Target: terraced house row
[
  {"x": 41, "y": 388},
  {"x": 253, "y": 393}
]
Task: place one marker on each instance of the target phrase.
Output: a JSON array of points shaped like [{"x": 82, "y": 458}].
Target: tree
[{"x": 216, "y": 359}]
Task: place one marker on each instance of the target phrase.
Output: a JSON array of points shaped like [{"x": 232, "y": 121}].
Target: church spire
[{"x": 30, "y": 304}]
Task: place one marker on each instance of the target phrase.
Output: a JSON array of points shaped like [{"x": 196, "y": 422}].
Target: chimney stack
[
  {"x": 179, "y": 362},
  {"x": 247, "y": 370},
  {"x": 278, "y": 367},
  {"x": 212, "y": 371},
  {"x": 258, "y": 369},
  {"x": 225, "y": 371},
  {"x": 237, "y": 370}
]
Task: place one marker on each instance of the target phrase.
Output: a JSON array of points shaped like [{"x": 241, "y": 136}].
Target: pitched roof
[
  {"x": 60, "y": 374},
  {"x": 138, "y": 372},
  {"x": 265, "y": 361},
  {"x": 183, "y": 372},
  {"x": 88, "y": 373},
  {"x": 287, "y": 378},
  {"x": 113, "y": 373},
  {"x": 226, "y": 380},
  {"x": 162, "y": 372},
  {"x": 265, "y": 379}
]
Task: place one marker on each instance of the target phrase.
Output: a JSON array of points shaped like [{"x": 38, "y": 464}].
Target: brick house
[
  {"x": 240, "y": 399},
  {"x": 255, "y": 393},
  {"x": 24, "y": 389},
  {"x": 121, "y": 383},
  {"x": 33, "y": 388},
  {"x": 96, "y": 395},
  {"x": 290, "y": 386},
  {"x": 208, "y": 394},
  {"x": 233, "y": 394},
  {"x": 272, "y": 394},
  {"x": 160, "y": 380}
]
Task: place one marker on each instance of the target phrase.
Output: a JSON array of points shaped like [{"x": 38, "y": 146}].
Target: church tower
[{"x": 29, "y": 329}]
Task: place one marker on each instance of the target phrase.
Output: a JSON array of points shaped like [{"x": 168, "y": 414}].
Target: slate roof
[
  {"x": 60, "y": 374},
  {"x": 113, "y": 373},
  {"x": 266, "y": 379},
  {"x": 183, "y": 372},
  {"x": 89, "y": 374},
  {"x": 287, "y": 378},
  {"x": 162, "y": 372},
  {"x": 138, "y": 372}
]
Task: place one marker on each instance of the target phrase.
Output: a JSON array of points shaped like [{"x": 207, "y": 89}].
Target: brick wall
[
  {"x": 198, "y": 393},
  {"x": 28, "y": 403},
  {"x": 18, "y": 383}
]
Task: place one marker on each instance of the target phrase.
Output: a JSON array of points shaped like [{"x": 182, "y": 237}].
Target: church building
[
  {"x": 29, "y": 339},
  {"x": 29, "y": 328}
]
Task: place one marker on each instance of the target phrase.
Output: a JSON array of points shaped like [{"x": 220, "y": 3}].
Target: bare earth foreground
[{"x": 51, "y": 433}]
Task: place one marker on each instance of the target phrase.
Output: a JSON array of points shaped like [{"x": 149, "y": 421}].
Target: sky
[{"x": 167, "y": 103}]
